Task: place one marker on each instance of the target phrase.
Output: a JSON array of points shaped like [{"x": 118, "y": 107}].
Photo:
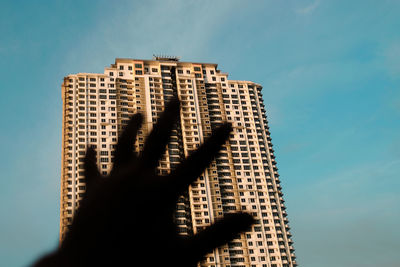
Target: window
[{"x": 138, "y": 66}]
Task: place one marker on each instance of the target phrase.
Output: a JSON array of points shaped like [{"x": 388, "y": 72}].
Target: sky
[{"x": 330, "y": 71}]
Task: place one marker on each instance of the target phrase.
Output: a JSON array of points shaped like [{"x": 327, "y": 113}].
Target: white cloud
[{"x": 308, "y": 9}]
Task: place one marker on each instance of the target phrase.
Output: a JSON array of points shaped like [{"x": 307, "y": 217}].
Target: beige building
[{"x": 244, "y": 177}]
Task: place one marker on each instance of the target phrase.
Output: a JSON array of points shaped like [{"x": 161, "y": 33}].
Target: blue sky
[{"x": 331, "y": 76}]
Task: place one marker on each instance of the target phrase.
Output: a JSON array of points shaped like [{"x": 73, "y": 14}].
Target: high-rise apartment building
[{"x": 243, "y": 177}]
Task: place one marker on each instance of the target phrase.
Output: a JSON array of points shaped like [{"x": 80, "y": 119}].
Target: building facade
[{"x": 243, "y": 177}]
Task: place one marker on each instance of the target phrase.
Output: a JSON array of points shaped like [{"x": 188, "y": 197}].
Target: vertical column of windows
[
  {"x": 235, "y": 252},
  {"x": 87, "y": 98},
  {"x": 68, "y": 89},
  {"x": 175, "y": 149},
  {"x": 272, "y": 238},
  {"x": 162, "y": 91},
  {"x": 127, "y": 94},
  {"x": 252, "y": 196},
  {"x": 284, "y": 250},
  {"x": 240, "y": 160},
  {"x": 254, "y": 179},
  {"x": 205, "y": 195}
]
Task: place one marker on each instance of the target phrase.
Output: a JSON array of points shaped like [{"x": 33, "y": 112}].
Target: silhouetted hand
[{"x": 126, "y": 219}]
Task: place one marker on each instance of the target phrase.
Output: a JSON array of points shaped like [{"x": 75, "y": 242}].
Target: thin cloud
[
  {"x": 339, "y": 214},
  {"x": 142, "y": 34},
  {"x": 392, "y": 59},
  {"x": 308, "y": 9}
]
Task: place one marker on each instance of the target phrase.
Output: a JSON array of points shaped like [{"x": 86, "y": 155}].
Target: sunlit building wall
[{"x": 243, "y": 177}]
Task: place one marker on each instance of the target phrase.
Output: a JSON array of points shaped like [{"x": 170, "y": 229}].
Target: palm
[{"x": 127, "y": 218}]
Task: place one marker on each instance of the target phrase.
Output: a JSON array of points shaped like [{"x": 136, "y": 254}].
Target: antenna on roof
[{"x": 166, "y": 58}]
